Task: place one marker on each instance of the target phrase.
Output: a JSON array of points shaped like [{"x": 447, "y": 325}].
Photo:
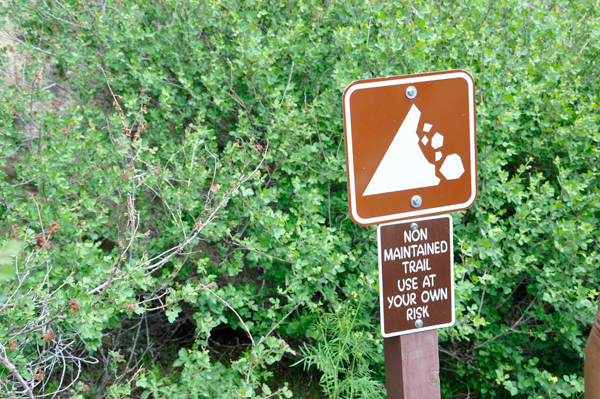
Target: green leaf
[
  {"x": 9, "y": 250},
  {"x": 509, "y": 97},
  {"x": 7, "y": 272},
  {"x": 266, "y": 390}
]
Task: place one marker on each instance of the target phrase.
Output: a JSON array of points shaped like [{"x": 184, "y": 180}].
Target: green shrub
[{"x": 211, "y": 190}]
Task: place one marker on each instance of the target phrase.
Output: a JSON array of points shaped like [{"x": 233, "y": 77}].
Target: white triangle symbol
[{"x": 404, "y": 166}]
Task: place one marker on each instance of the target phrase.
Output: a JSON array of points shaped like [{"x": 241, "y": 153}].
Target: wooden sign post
[
  {"x": 411, "y": 152},
  {"x": 412, "y": 366}
]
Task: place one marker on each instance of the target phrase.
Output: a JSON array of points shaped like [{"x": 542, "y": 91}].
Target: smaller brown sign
[{"x": 416, "y": 275}]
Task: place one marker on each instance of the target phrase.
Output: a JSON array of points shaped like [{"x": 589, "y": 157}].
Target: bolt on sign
[
  {"x": 410, "y": 146},
  {"x": 416, "y": 275}
]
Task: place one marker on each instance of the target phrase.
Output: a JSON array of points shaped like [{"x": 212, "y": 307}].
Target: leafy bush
[
  {"x": 197, "y": 183},
  {"x": 343, "y": 352}
]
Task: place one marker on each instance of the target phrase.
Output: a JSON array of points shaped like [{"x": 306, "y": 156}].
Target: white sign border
[
  {"x": 381, "y": 297},
  {"x": 350, "y": 159}
]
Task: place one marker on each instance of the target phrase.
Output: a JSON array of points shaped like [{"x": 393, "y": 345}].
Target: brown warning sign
[
  {"x": 410, "y": 146},
  {"x": 416, "y": 275}
]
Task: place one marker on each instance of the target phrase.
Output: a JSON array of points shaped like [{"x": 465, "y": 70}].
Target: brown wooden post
[{"x": 412, "y": 366}]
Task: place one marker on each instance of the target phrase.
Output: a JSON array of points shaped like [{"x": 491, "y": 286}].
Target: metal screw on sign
[
  {"x": 414, "y": 226},
  {"x": 416, "y": 201},
  {"x": 411, "y": 92},
  {"x": 419, "y": 323}
]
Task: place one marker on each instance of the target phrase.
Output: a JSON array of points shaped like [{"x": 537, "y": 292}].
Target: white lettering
[
  {"x": 417, "y": 313},
  {"x": 426, "y": 282},
  {"x": 416, "y": 236},
  {"x": 403, "y": 285},
  {"x": 408, "y": 284},
  {"x": 416, "y": 250},
  {"x": 396, "y": 303},
  {"x": 444, "y": 246},
  {"x": 439, "y": 294},
  {"x": 402, "y": 300},
  {"x": 388, "y": 256},
  {"x": 430, "y": 247}
]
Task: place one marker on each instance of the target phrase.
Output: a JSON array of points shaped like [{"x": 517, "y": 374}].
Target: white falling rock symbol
[
  {"x": 437, "y": 141},
  {"x": 452, "y": 168},
  {"x": 404, "y": 165}
]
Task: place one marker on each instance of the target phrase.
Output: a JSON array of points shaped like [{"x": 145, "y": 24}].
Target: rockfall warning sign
[
  {"x": 416, "y": 275},
  {"x": 410, "y": 146}
]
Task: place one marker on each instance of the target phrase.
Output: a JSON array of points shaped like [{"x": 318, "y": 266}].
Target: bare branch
[{"x": 15, "y": 372}]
